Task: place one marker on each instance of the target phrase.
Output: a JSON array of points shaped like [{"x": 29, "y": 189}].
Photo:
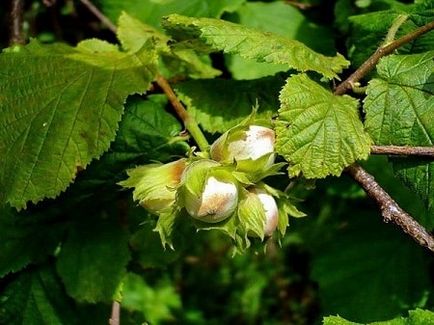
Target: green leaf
[
  {"x": 147, "y": 132},
  {"x": 249, "y": 43},
  {"x": 400, "y": 110},
  {"x": 150, "y": 253},
  {"x": 26, "y": 239},
  {"x": 151, "y": 11},
  {"x": 93, "y": 258},
  {"x": 217, "y": 105},
  {"x": 65, "y": 114},
  {"x": 318, "y": 133},
  {"x": 368, "y": 271},
  {"x": 274, "y": 17},
  {"x": 132, "y": 34},
  {"x": 415, "y": 317},
  {"x": 36, "y": 297},
  {"x": 157, "y": 303}
]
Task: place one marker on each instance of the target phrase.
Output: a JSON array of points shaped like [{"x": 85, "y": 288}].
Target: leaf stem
[
  {"x": 403, "y": 151},
  {"x": 383, "y": 50},
  {"x": 189, "y": 122},
  {"x": 116, "y": 312},
  {"x": 390, "y": 37},
  {"x": 16, "y": 17},
  {"x": 390, "y": 210}
]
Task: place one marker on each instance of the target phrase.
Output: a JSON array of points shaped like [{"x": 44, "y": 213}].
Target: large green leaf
[
  {"x": 400, "y": 110},
  {"x": 368, "y": 271},
  {"x": 36, "y": 297},
  {"x": 151, "y": 11},
  {"x": 318, "y": 133},
  {"x": 147, "y": 132},
  {"x": 221, "y": 104},
  {"x": 415, "y": 317},
  {"x": 60, "y": 109},
  {"x": 93, "y": 258},
  {"x": 26, "y": 238},
  {"x": 219, "y": 35},
  {"x": 279, "y": 18}
]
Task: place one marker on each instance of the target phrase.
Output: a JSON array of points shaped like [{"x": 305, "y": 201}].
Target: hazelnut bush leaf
[
  {"x": 71, "y": 101},
  {"x": 415, "y": 317},
  {"x": 93, "y": 258},
  {"x": 273, "y": 17},
  {"x": 318, "y": 133},
  {"x": 218, "y": 35},
  {"x": 400, "y": 110},
  {"x": 218, "y": 104}
]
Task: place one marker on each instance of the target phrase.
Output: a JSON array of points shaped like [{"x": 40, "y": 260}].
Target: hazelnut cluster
[{"x": 226, "y": 184}]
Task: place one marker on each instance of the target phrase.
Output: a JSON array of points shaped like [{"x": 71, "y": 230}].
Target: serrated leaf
[
  {"x": 36, "y": 297},
  {"x": 356, "y": 270},
  {"x": 157, "y": 303},
  {"x": 25, "y": 239},
  {"x": 61, "y": 108},
  {"x": 151, "y": 11},
  {"x": 416, "y": 317},
  {"x": 279, "y": 18},
  {"x": 318, "y": 133},
  {"x": 93, "y": 258},
  {"x": 249, "y": 43},
  {"x": 221, "y": 104},
  {"x": 400, "y": 110}
]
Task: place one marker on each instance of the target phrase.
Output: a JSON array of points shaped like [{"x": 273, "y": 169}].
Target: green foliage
[
  {"x": 366, "y": 272},
  {"x": 318, "y": 133},
  {"x": 71, "y": 100},
  {"x": 26, "y": 239},
  {"x": 155, "y": 302},
  {"x": 400, "y": 109},
  {"x": 35, "y": 297},
  {"x": 415, "y": 317},
  {"x": 370, "y": 29},
  {"x": 218, "y": 104},
  {"x": 93, "y": 258},
  {"x": 251, "y": 44},
  {"x": 70, "y": 130},
  {"x": 151, "y": 11}
]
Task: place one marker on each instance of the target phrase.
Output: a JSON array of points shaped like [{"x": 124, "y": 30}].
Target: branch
[
  {"x": 116, "y": 312},
  {"x": 383, "y": 50},
  {"x": 390, "y": 210},
  {"x": 299, "y": 5},
  {"x": 403, "y": 151},
  {"x": 107, "y": 22},
  {"x": 16, "y": 17},
  {"x": 189, "y": 122}
]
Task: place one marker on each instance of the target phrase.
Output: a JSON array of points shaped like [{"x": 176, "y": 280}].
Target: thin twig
[
  {"x": 189, "y": 123},
  {"x": 390, "y": 210},
  {"x": 107, "y": 22},
  {"x": 403, "y": 151},
  {"x": 115, "y": 318},
  {"x": 299, "y": 5},
  {"x": 16, "y": 17},
  {"x": 370, "y": 63}
]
